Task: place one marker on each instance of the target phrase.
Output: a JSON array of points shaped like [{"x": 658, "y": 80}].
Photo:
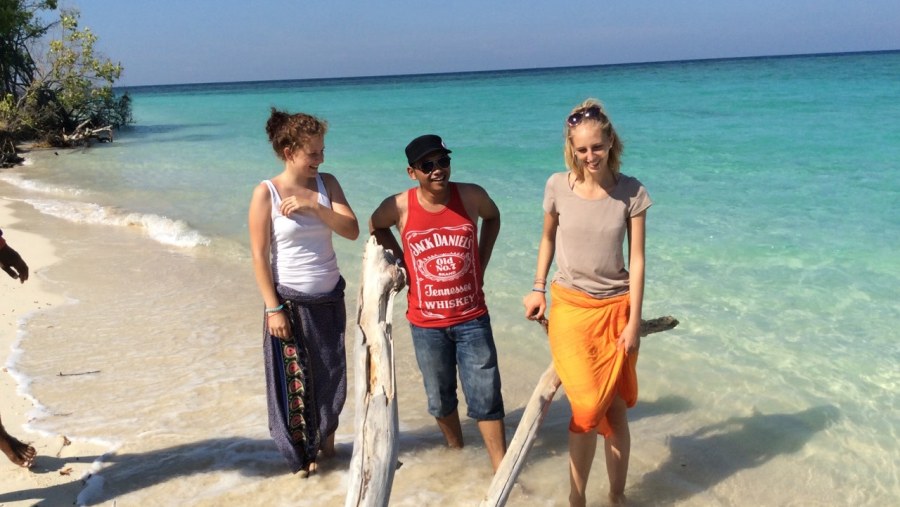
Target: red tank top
[{"x": 440, "y": 250}]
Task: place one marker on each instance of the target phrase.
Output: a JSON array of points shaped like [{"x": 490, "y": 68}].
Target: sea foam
[
  {"x": 17, "y": 180},
  {"x": 162, "y": 229}
]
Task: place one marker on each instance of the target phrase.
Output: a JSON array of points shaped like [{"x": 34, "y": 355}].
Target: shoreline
[{"x": 62, "y": 464}]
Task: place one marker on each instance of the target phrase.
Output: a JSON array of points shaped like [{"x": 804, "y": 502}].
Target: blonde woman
[{"x": 595, "y": 319}]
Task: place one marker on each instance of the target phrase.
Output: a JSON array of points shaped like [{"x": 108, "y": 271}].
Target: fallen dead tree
[
  {"x": 533, "y": 417},
  {"x": 375, "y": 446},
  {"x": 84, "y": 133}
]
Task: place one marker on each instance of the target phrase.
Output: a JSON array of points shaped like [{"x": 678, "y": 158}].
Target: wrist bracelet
[
  {"x": 535, "y": 289},
  {"x": 276, "y": 309}
]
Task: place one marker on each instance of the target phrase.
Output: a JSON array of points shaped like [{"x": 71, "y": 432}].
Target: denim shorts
[{"x": 470, "y": 347}]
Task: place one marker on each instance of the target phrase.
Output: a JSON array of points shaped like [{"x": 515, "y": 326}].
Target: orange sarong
[{"x": 583, "y": 332}]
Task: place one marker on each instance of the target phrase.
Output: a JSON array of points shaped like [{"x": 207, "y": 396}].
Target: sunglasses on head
[
  {"x": 588, "y": 112},
  {"x": 430, "y": 165}
]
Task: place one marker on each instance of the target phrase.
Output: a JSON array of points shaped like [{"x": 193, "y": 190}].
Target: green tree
[
  {"x": 70, "y": 91},
  {"x": 83, "y": 80},
  {"x": 20, "y": 27}
]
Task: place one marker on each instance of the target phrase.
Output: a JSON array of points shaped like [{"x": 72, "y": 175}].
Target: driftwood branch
[
  {"x": 375, "y": 447},
  {"x": 83, "y": 133},
  {"x": 532, "y": 418},
  {"x": 658, "y": 324},
  {"x": 61, "y": 374}
]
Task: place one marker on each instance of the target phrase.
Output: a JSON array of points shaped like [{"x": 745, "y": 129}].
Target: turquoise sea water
[{"x": 773, "y": 239}]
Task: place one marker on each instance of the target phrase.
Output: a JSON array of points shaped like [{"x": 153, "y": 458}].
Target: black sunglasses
[
  {"x": 430, "y": 165},
  {"x": 588, "y": 112}
]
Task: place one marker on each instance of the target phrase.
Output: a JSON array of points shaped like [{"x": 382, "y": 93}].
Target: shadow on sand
[
  {"x": 697, "y": 462},
  {"x": 706, "y": 457},
  {"x": 125, "y": 473}
]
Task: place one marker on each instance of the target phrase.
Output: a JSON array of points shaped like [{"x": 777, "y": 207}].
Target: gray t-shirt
[{"x": 591, "y": 234}]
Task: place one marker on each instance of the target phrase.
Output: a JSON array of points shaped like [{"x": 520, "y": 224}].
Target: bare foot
[
  {"x": 308, "y": 470},
  {"x": 617, "y": 499},
  {"x": 18, "y": 452}
]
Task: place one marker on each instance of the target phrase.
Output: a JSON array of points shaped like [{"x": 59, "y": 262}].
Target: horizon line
[{"x": 513, "y": 70}]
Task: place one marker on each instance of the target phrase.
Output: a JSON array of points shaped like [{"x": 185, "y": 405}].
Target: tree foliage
[
  {"x": 82, "y": 79},
  {"x": 70, "y": 89},
  {"x": 20, "y": 27}
]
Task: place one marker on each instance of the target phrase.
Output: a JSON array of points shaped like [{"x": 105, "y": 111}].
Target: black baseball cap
[{"x": 423, "y": 145}]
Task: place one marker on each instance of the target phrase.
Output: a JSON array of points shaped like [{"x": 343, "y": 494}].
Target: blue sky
[{"x": 199, "y": 41}]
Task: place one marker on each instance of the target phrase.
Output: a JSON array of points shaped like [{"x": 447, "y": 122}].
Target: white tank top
[{"x": 302, "y": 253}]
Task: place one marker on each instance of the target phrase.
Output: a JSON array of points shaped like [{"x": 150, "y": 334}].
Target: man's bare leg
[
  {"x": 494, "y": 435},
  {"x": 450, "y": 427},
  {"x": 18, "y": 452}
]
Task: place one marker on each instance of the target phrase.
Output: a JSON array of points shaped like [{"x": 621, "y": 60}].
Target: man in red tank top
[{"x": 445, "y": 258}]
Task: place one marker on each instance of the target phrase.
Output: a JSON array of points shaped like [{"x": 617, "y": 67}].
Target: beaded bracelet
[{"x": 276, "y": 309}]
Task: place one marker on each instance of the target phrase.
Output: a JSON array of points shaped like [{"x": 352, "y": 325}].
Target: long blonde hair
[{"x": 614, "y": 159}]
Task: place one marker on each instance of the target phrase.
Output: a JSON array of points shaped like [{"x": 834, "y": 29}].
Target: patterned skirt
[{"x": 306, "y": 375}]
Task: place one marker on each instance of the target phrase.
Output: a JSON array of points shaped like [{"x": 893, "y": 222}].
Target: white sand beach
[{"x": 62, "y": 463}]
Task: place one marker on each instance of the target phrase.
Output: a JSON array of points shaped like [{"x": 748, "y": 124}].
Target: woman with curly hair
[{"x": 291, "y": 221}]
